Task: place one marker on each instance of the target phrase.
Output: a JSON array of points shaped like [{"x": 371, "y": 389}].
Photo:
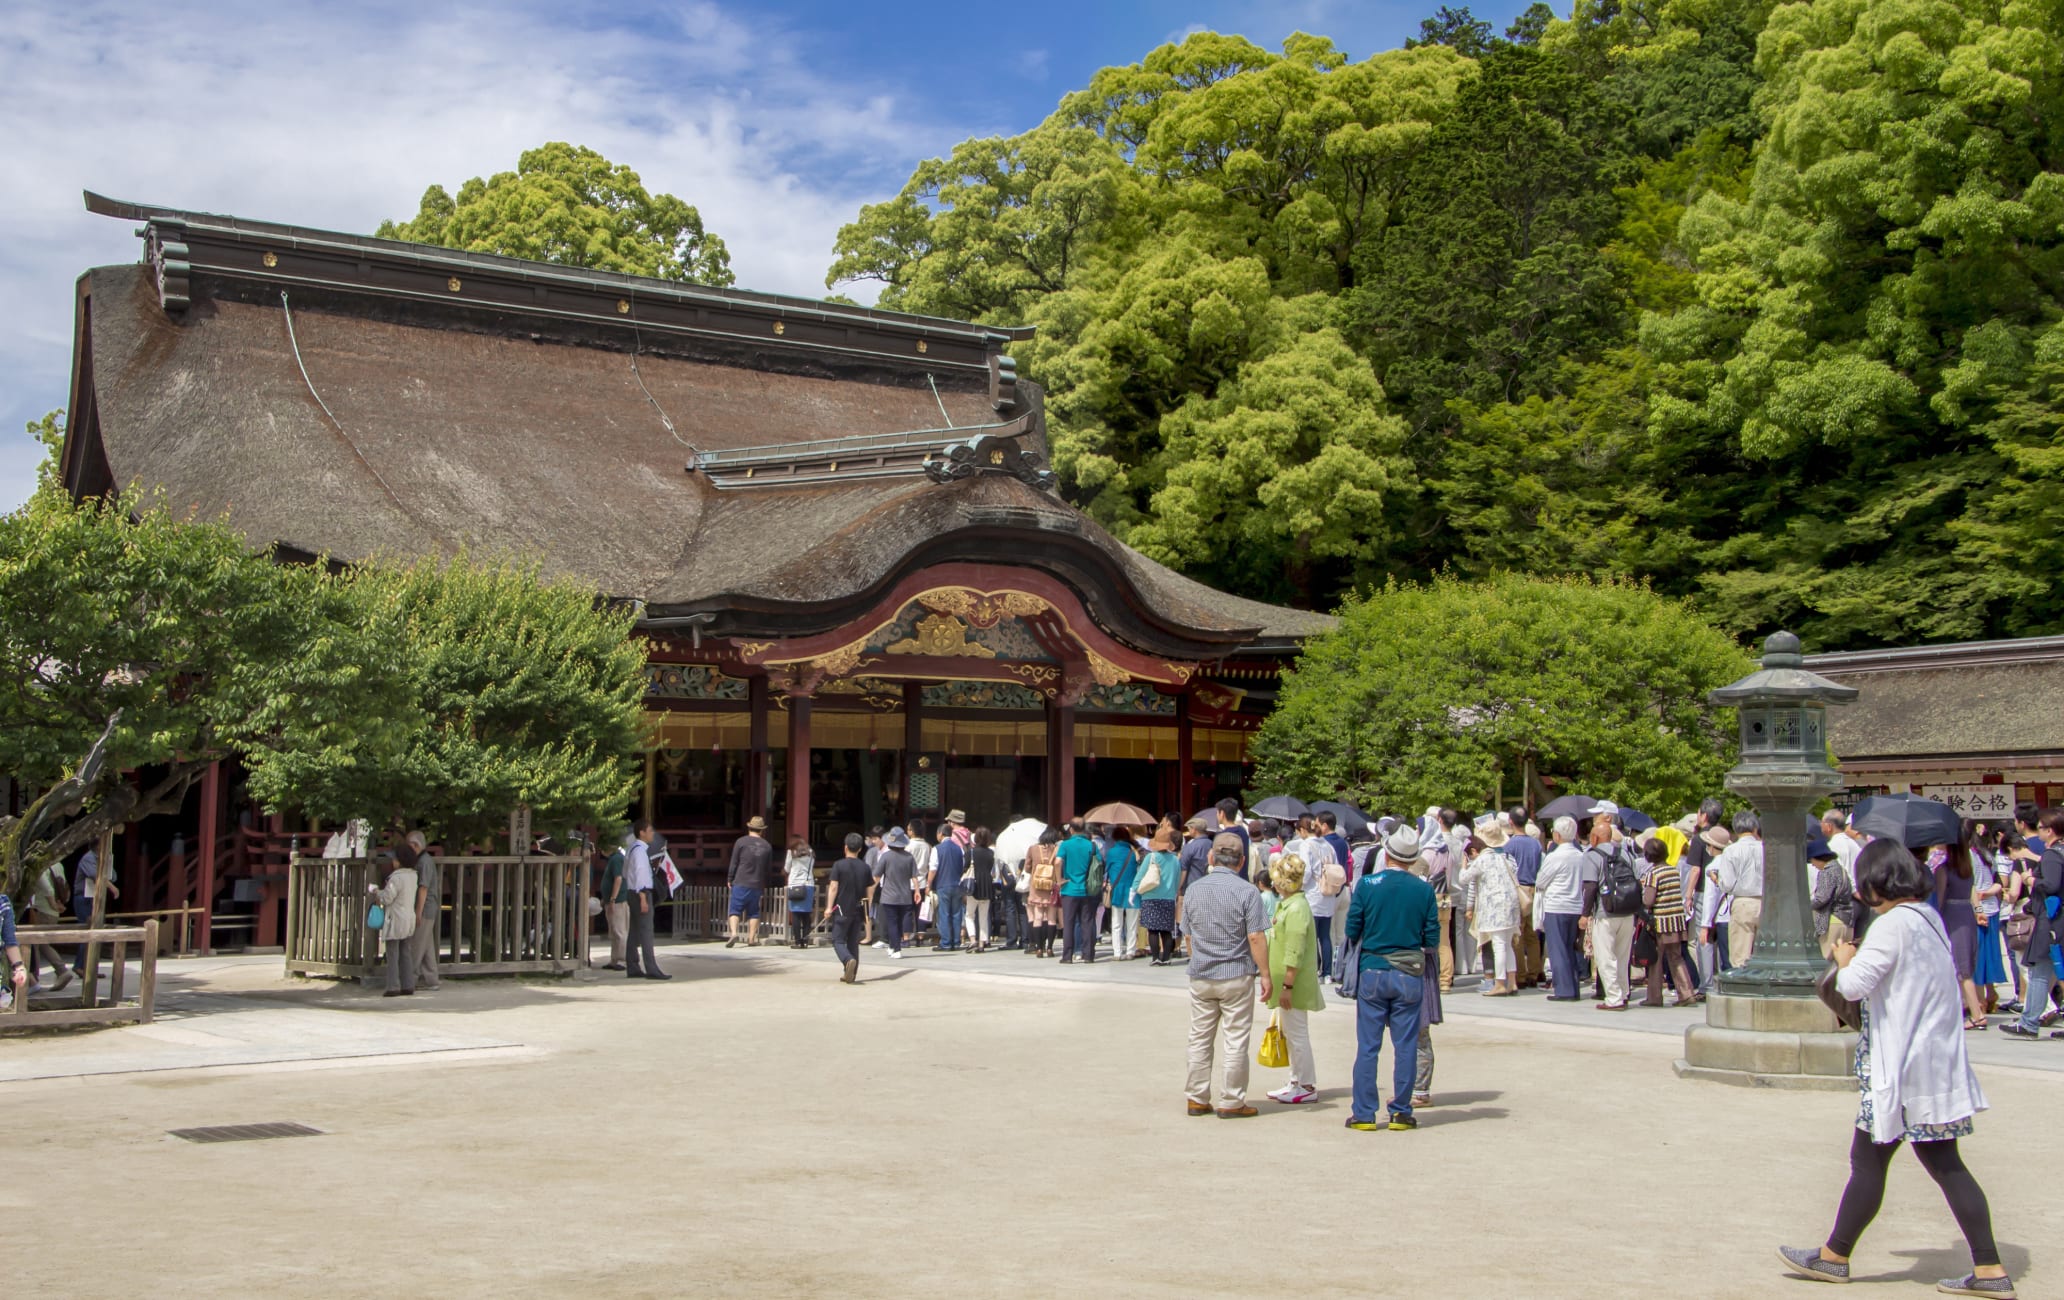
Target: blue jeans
[
  {"x": 1391, "y": 998},
  {"x": 947, "y": 916},
  {"x": 1325, "y": 928},
  {"x": 2041, "y": 974}
]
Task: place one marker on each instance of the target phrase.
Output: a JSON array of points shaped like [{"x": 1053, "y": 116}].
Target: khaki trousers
[
  {"x": 1447, "y": 947},
  {"x": 1216, "y": 1005},
  {"x": 422, "y": 951},
  {"x": 619, "y": 930},
  {"x": 1612, "y": 944},
  {"x": 1746, "y": 919},
  {"x": 1837, "y": 932},
  {"x": 1526, "y": 945}
]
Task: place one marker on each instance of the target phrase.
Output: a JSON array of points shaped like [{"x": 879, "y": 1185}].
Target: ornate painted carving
[
  {"x": 942, "y": 636},
  {"x": 1103, "y": 670},
  {"x": 983, "y": 609},
  {"x": 691, "y": 682},
  {"x": 1130, "y": 697},
  {"x": 1037, "y": 674},
  {"x": 982, "y": 695},
  {"x": 754, "y": 649},
  {"x": 839, "y": 662}
]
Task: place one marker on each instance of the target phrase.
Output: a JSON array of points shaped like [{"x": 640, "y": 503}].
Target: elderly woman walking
[
  {"x": 397, "y": 900},
  {"x": 1912, "y": 1068},
  {"x": 1491, "y": 883},
  {"x": 1294, "y": 969}
]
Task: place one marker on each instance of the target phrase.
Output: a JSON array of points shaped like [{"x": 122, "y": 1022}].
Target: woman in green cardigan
[{"x": 1294, "y": 968}]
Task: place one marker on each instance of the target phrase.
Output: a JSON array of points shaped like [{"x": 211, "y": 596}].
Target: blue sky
[{"x": 778, "y": 119}]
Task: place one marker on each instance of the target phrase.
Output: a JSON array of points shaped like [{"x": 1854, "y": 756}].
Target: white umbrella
[{"x": 1017, "y": 839}]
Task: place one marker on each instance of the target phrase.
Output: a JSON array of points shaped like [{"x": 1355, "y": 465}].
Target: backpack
[
  {"x": 1619, "y": 884},
  {"x": 1039, "y": 864},
  {"x": 1093, "y": 879}
]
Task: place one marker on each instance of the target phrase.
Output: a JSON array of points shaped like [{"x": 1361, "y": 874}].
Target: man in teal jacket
[{"x": 1395, "y": 919}]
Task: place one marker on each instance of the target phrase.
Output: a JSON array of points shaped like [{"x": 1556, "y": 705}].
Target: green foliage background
[
  {"x": 1453, "y": 692},
  {"x": 1757, "y": 304}
]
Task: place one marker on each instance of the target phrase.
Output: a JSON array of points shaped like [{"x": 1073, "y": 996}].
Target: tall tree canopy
[
  {"x": 1755, "y": 304},
  {"x": 570, "y": 205}
]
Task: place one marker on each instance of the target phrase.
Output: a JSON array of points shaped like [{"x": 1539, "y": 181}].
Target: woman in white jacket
[
  {"x": 397, "y": 898},
  {"x": 1912, "y": 1068}
]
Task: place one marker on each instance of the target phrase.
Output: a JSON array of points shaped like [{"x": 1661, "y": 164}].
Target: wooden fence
[
  {"x": 701, "y": 912},
  {"x": 498, "y": 916},
  {"x": 88, "y": 1012}
]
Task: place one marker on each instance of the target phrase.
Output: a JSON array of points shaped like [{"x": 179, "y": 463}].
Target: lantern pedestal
[
  {"x": 1770, "y": 1042},
  {"x": 1765, "y": 1024}
]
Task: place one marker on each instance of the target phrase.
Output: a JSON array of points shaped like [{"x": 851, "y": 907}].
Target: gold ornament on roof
[
  {"x": 942, "y": 636},
  {"x": 452, "y": 284},
  {"x": 271, "y": 258},
  {"x": 1103, "y": 670}
]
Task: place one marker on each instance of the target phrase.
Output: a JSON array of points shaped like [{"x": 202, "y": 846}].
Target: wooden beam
[
  {"x": 1185, "y": 761},
  {"x": 651, "y": 783},
  {"x": 798, "y": 769},
  {"x": 211, "y": 805},
  {"x": 756, "y": 759},
  {"x": 913, "y": 737}
]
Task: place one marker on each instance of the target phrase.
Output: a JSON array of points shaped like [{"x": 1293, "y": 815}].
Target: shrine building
[{"x": 863, "y": 598}]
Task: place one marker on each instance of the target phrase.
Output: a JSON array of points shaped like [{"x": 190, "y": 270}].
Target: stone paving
[{"x": 955, "y": 1125}]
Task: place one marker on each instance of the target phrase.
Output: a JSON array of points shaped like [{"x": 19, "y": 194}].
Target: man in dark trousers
[
  {"x": 639, "y": 960},
  {"x": 845, "y": 906},
  {"x": 752, "y": 860}
]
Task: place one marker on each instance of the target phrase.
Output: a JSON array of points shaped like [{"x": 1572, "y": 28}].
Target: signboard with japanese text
[
  {"x": 519, "y": 831},
  {"x": 1974, "y": 801}
]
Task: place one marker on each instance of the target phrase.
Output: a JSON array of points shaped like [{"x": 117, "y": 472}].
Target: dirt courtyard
[{"x": 979, "y": 1126}]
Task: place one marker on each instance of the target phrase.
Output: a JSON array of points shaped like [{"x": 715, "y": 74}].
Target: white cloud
[{"x": 339, "y": 116}]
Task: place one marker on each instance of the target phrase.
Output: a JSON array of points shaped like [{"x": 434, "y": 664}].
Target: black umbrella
[
  {"x": 1352, "y": 820},
  {"x": 1915, "y": 822},
  {"x": 1282, "y": 807},
  {"x": 1570, "y": 805}
]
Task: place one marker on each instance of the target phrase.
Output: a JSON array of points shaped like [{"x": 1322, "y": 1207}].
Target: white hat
[
  {"x": 1402, "y": 848},
  {"x": 1604, "y": 807}
]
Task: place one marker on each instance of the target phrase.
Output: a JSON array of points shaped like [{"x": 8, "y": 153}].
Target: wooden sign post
[{"x": 519, "y": 831}]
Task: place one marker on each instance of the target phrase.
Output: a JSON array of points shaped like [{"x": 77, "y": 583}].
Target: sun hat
[
  {"x": 1491, "y": 831},
  {"x": 756, "y": 824},
  {"x": 957, "y": 817},
  {"x": 1717, "y": 837},
  {"x": 896, "y": 839},
  {"x": 1402, "y": 848},
  {"x": 1288, "y": 874}
]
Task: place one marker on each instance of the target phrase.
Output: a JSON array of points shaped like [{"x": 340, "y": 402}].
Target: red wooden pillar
[
  {"x": 798, "y": 767},
  {"x": 1060, "y": 762},
  {"x": 756, "y": 756},
  {"x": 211, "y": 818},
  {"x": 1185, "y": 762}
]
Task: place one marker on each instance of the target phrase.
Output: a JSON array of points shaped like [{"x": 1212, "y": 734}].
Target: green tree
[
  {"x": 207, "y": 649},
  {"x": 1453, "y": 691},
  {"x": 528, "y": 692},
  {"x": 570, "y": 205},
  {"x": 1490, "y": 276},
  {"x": 1458, "y": 29}
]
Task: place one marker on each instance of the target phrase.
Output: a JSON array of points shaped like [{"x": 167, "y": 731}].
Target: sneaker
[
  {"x": 895, "y": 954},
  {"x": 1422, "y": 1099},
  {"x": 1399, "y": 1122},
  {"x": 1295, "y": 1094},
  {"x": 878, "y": 945},
  {"x": 1367, "y": 1125},
  {"x": 1806, "y": 1262},
  {"x": 2015, "y": 1029},
  {"x": 1972, "y": 1284}
]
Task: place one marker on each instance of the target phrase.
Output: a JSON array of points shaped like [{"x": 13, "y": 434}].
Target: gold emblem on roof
[
  {"x": 780, "y": 328},
  {"x": 623, "y": 306},
  {"x": 922, "y": 346},
  {"x": 271, "y": 258},
  {"x": 943, "y": 636},
  {"x": 452, "y": 284}
]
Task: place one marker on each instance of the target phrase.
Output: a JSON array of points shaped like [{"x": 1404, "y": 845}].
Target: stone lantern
[{"x": 1764, "y": 1023}]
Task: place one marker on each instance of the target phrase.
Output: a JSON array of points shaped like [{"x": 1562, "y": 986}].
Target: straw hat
[
  {"x": 1288, "y": 874},
  {"x": 1717, "y": 837},
  {"x": 756, "y": 824},
  {"x": 1491, "y": 831},
  {"x": 1402, "y": 848}
]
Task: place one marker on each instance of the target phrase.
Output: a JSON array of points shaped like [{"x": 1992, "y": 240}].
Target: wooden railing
[
  {"x": 88, "y": 1012},
  {"x": 701, "y": 912},
  {"x": 498, "y": 916}
]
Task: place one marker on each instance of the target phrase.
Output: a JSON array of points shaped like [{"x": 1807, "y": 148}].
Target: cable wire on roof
[
  {"x": 636, "y": 345},
  {"x": 295, "y": 344},
  {"x": 940, "y": 400}
]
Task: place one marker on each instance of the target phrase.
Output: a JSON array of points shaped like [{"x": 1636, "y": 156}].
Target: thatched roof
[
  {"x": 1981, "y": 698},
  {"x": 522, "y": 415}
]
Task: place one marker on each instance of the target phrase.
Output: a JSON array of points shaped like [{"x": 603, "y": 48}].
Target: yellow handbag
[{"x": 1275, "y": 1049}]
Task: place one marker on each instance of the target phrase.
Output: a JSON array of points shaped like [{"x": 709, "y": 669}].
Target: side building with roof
[{"x": 863, "y": 599}]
